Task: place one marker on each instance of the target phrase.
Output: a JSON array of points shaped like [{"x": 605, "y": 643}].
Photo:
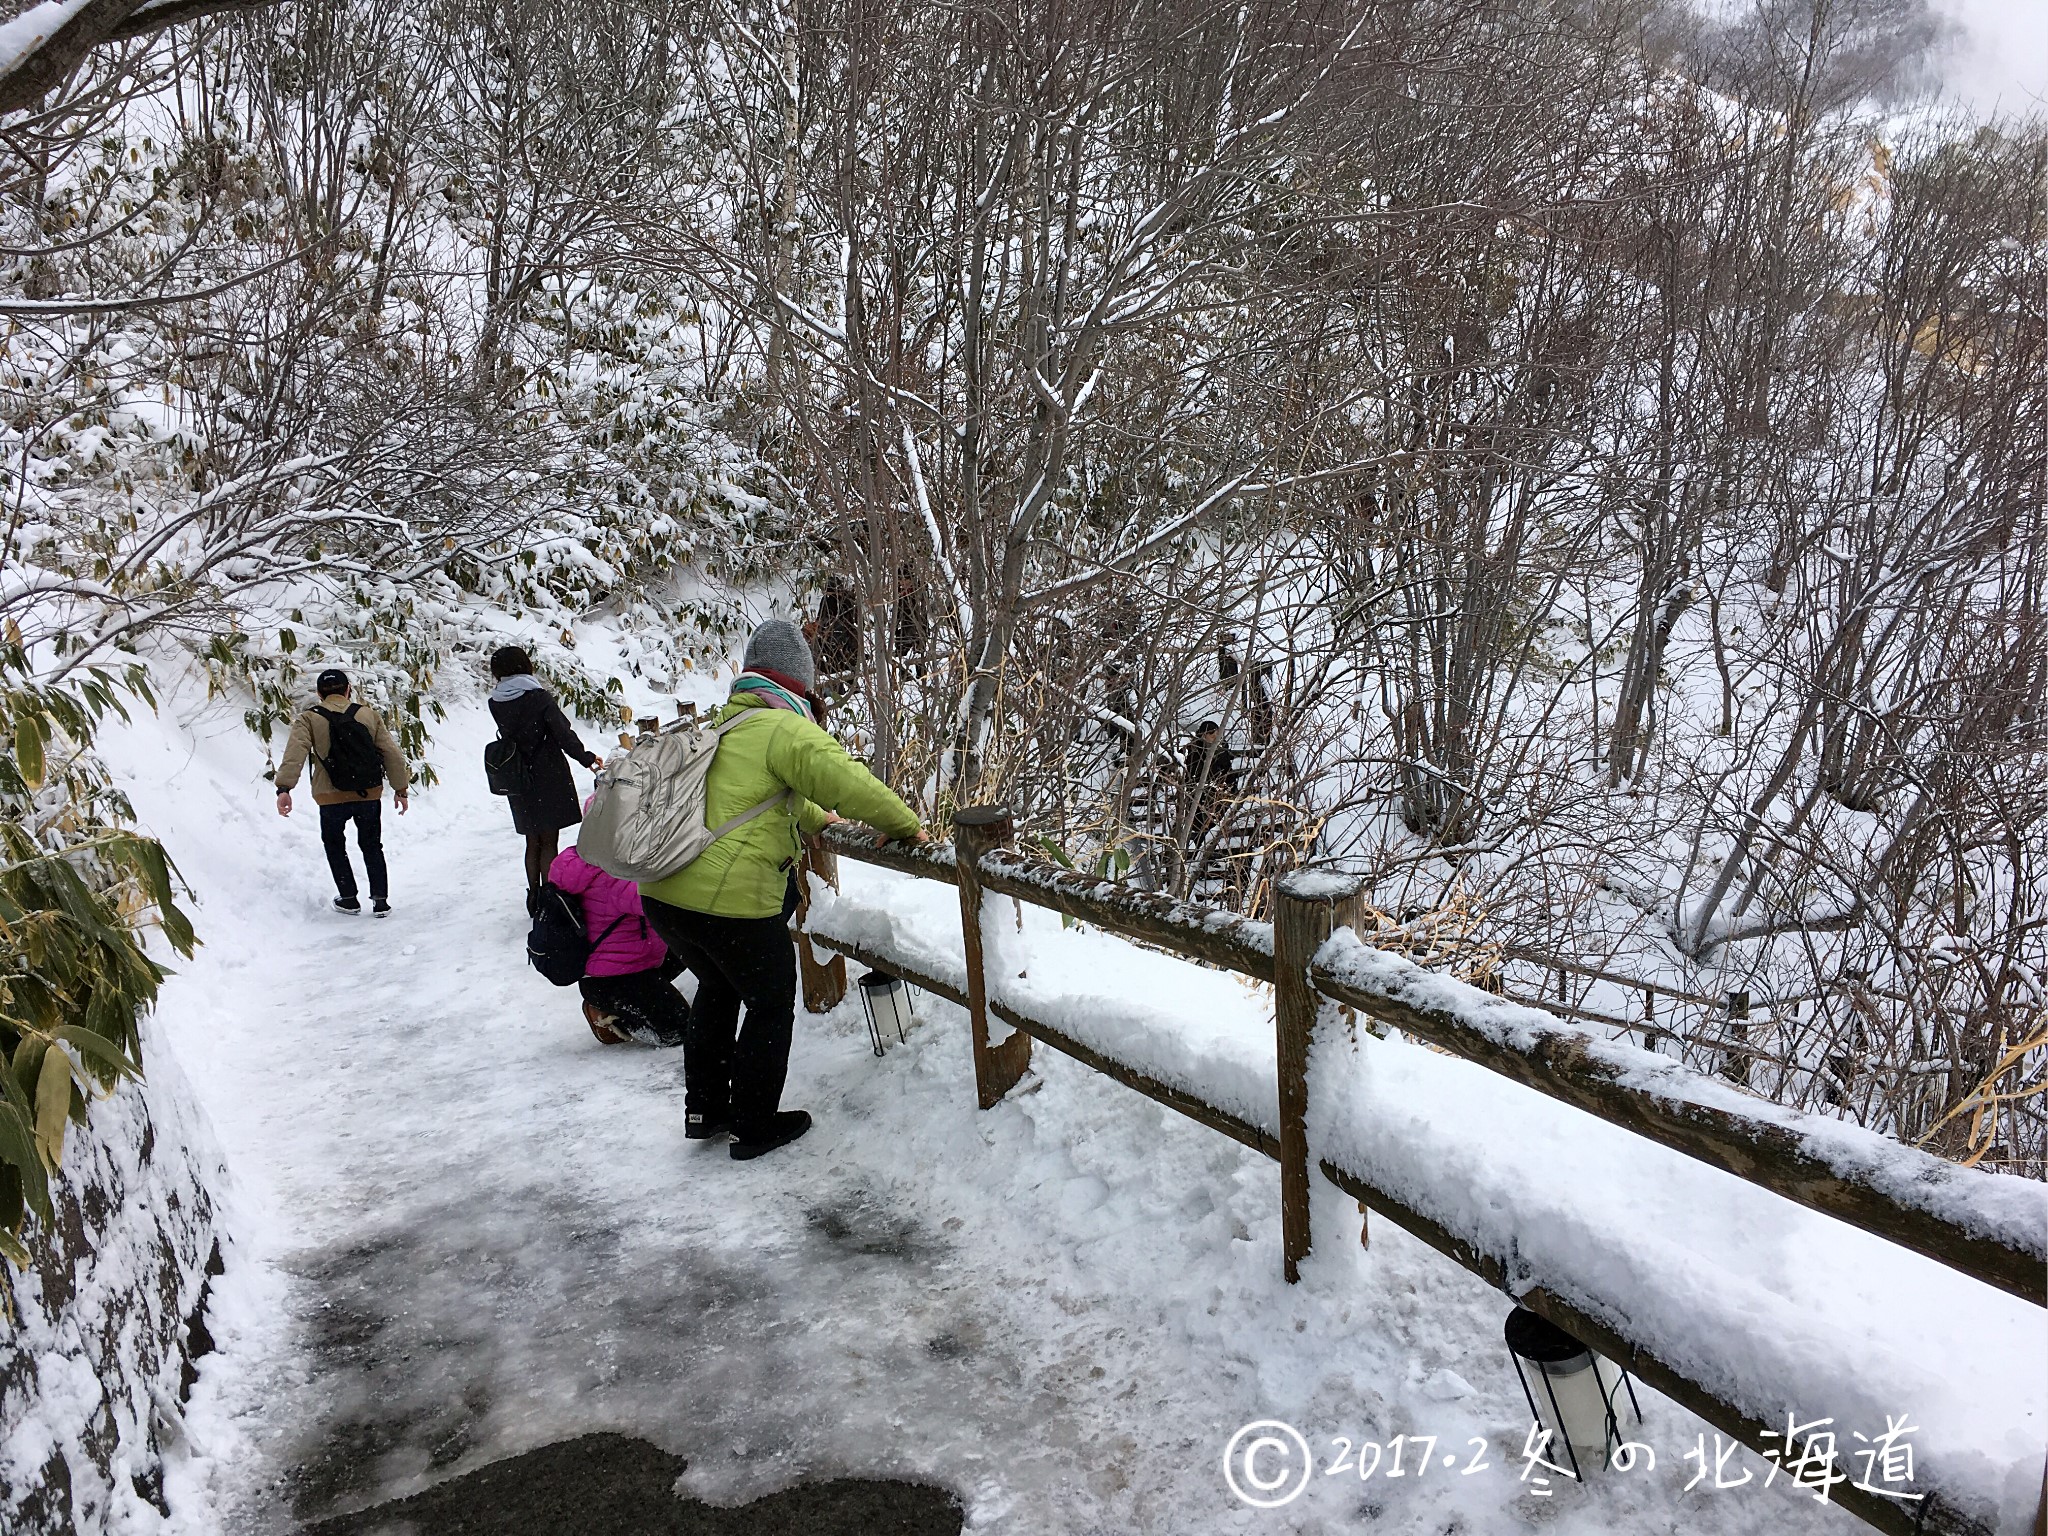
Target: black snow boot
[
  {"x": 782, "y": 1128},
  {"x": 348, "y": 904}
]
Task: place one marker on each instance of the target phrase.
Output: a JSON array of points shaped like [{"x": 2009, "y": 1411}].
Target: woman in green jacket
[{"x": 725, "y": 914}]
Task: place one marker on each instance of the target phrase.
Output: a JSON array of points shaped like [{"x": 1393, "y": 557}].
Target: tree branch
[{"x": 60, "y": 33}]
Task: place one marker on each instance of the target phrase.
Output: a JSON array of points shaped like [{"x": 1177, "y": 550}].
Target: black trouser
[
  {"x": 368, "y": 815},
  {"x": 729, "y": 1071},
  {"x": 646, "y": 1003}
]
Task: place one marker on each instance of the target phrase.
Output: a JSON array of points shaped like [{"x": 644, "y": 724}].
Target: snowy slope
[{"x": 464, "y": 1229}]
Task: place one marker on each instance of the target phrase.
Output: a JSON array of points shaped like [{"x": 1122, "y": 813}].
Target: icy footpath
[{"x": 461, "y": 1229}]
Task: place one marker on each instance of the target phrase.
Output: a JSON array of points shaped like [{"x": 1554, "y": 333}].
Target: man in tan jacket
[{"x": 352, "y": 753}]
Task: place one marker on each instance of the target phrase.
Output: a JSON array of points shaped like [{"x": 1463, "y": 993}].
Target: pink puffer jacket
[{"x": 632, "y": 945}]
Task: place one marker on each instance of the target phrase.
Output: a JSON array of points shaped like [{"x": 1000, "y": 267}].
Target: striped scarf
[{"x": 772, "y": 693}]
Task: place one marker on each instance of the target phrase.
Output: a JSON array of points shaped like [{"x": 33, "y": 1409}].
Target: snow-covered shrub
[
  {"x": 76, "y": 889},
  {"x": 345, "y": 445}
]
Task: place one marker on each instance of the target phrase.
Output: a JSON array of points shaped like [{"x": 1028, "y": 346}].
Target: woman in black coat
[{"x": 532, "y": 721}]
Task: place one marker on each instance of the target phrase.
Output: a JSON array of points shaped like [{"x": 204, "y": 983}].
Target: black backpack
[
  {"x": 352, "y": 762},
  {"x": 558, "y": 945},
  {"x": 504, "y": 766}
]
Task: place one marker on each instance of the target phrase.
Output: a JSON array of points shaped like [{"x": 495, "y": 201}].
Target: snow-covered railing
[{"x": 1991, "y": 1228}]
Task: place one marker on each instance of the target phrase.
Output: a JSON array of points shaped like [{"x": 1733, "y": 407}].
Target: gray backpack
[{"x": 646, "y": 819}]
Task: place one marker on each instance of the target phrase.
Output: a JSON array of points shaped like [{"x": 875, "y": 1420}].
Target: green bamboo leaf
[
  {"x": 107, "y": 1037},
  {"x": 157, "y": 869},
  {"x": 178, "y": 930},
  {"x": 53, "y": 1106},
  {"x": 69, "y": 894},
  {"x": 29, "y": 739},
  {"x": 18, "y": 1150},
  {"x": 12, "y": 1250},
  {"x": 14, "y": 1092},
  {"x": 28, "y": 1062}
]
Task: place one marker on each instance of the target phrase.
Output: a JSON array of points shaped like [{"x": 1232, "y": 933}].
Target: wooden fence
[{"x": 1303, "y": 953}]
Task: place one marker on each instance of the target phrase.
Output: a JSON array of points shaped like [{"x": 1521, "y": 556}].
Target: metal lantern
[
  {"x": 885, "y": 999},
  {"x": 1575, "y": 1392}
]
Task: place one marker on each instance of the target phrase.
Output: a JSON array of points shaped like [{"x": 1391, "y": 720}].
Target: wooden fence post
[
  {"x": 1307, "y": 907},
  {"x": 824, "y": 981},
  {"x": 976, "y": 830}
]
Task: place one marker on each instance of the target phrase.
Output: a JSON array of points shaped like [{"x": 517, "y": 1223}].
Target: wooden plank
[
  {"x": 1175, "y": 1099},
  {"x": 1567, "y": 1064},
  {"x": 929, "y": 862},
  {"x": 1307, "y": 906},
  {"x": 1204, "y": 1113},
  {"x": 997, "y": 1067},
  {"x": 1935, "y": 1515},
  {"x": 824, "y": 981},
  {"x": 875, "y": 960},
  {"x": 1191, "y": 929}
]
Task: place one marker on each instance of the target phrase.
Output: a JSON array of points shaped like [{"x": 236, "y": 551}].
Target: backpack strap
[
  {"x": 743, "y": 715},
  {"x": 314, "y": 752},
  {"x": 735, "y": 823},
  {"x": 597, "y": 943}
]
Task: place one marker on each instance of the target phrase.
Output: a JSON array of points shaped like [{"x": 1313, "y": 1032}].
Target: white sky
[{"x": 2002, "y": 59}]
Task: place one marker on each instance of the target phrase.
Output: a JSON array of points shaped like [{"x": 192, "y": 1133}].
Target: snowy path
[{"x": 463, "y": 1229}]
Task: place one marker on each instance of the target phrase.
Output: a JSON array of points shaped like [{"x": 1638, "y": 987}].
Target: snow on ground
[{"x": 462, "y": 1229}]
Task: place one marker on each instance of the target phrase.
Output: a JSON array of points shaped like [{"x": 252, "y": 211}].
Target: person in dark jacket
[
  {"x": 1211, "y": 777},
  {"x": 1209, "y": 758},
  {"x": 837, "y": 639},
  {"x": 532, "y": 721}
]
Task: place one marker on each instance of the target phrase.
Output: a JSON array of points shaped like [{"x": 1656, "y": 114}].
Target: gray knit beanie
[{"x": 779, "y": 646}]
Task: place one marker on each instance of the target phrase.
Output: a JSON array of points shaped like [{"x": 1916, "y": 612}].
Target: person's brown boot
[{"x": 601, "y": 1026}]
